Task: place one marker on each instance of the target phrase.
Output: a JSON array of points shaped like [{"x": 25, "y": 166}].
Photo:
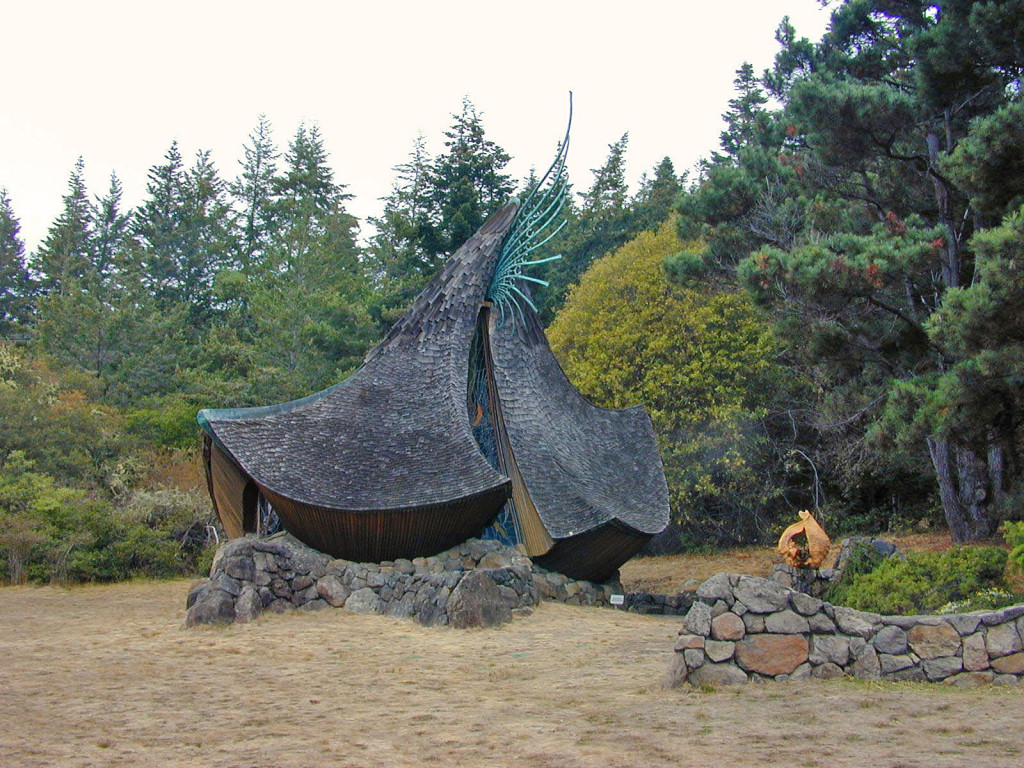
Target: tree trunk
[{"x": 964, "y": 489}]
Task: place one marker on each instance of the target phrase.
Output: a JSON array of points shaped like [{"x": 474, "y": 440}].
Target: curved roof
[
  {"x": 584, "y": 466},
  {"x": 395, "y": 434}
]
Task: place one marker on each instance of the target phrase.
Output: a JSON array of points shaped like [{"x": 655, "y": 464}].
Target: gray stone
[
  {"x": 364, "y": 600},
  {"x": 786, "y": 623},
  {"x": 891, "y": 640},
  {"x": 214, "y": 606},
  {"x": 718, "y": 674},
  {"x": 965, "y": 623},
  {"x": 975, "y": 654},
  {"x": 754, "y": 623},
  {"x": 903, "y": 622},
  {"x": 821, "y": 623},
  {"x": 266, "y": 596},
  {"x": 1002, "y": 640},
  {"x": 889, "y": 663},
  {"x": 303, "y": 597},
  {"x": 476, "y": 602},
  {"x": 240, "y": 568},
  {"x": 281, "y": 589},
  {"x": 853, "y": 622},
  {"x": 227, "y": 584},
  {"x": 761, "y": 595},
  {"x": 866, "y": 666},
  {"x": 263, "y": 578},
  {"x": 264, "y": 561},
  {"x": 248, "y": 606},
  {"x": 942, "y": 667},
  {"x": 803, "y": 672},
  {"x": 857, "y": 644},
  {"x": 195, "y": 591},
  {"x": 694, "y": 658},
  {"x": 827, "y": 671},
  {"x": 829, "y": 648},
  {"x": 719, "y": 650},
  {"x": 805, "y": 605},
  {"x": 332, "y": 590},
  {"x": 719, "y": 608},
  {"x": 698, "y": 619},
  {"x": 279, "y": 605},
  {"x": 970, "y": 679},
  {"x": 911, "y": 674},
  {"x": 1006, "y": 680},
  {"x": 313, "y": 605},
  {"x": 302, "y": 582},
  {"x": 677, "y": 671},
  {"x": 717, "y": 587}
]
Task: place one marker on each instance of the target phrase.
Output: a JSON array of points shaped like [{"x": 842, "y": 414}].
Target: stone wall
[
  {"x": 747, "y": 629},
  {"x": 478, "y": 583}
]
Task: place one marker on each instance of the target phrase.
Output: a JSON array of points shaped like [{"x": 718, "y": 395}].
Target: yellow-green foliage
[{"x": 698, "y": 361}]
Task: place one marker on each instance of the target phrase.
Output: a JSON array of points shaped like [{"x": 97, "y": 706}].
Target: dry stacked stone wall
[
  {"x": 746, "y": 629},
  {"x": 478, "y": 583}
]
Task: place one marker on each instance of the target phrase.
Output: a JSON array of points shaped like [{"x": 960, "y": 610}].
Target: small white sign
[{"x": 618, "y": 599}]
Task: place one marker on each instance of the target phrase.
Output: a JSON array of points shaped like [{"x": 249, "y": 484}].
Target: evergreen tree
[
  {"x": 465, "y": 185},
  {"x": 253, "y": 190},
  {"x": 112, "y": 232},
  {"x": 15, "y": 284},
  {"x": 182, "y": 234},
  {"x": 656, "y": 198},
  {"x": 65, "y": 256},
  {"x": 398, "y": 263}
]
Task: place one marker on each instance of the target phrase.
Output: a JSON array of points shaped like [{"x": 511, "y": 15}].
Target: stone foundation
[
  {"x": 478, "y": 583},
  {"x": 746, "y": 629}
]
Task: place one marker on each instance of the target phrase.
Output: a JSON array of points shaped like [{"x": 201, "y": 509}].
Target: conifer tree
[
  {"x": 15, "y": 285},
  {"x": 65, "y": 255}
]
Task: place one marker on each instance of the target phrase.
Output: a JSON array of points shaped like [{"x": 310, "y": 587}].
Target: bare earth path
[{"x": 107, "y": 676}]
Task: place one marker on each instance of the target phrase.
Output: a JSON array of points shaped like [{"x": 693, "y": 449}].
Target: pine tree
[
  {"x": 465, "y": 185},
  {"x": 112, "y": 232},
  {"x": 65, "y": 256},
  {"x": 15, "y": 284},
  {"x": 253, "y": 190}
]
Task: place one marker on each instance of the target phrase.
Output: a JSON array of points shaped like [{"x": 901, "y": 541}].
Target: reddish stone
[
  {"x": 931, "y": 642},
  {"x": 1009, "y": 665},
  {"x": 728, "y": 626},
  {"x": 771, "y": 654}
]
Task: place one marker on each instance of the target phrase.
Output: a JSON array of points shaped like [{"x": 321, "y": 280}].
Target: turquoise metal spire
[{"x": 540, "y": 212}]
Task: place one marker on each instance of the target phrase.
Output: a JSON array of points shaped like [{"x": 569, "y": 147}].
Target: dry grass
[{"x": 107, "y": 676}]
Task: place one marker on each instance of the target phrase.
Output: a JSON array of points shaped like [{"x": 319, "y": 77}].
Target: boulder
[
  {"x": 1009, "y": 665},
  {"x": 931, "y": 642},
  {"x": 728, "y": 626},
  {"x": 975, "y": 654},
  {"x": 761, "y": 595},
  {"x": 698, "y": 619},
  {"x": 477, "y": 602},
  {"x": 786, "y": 623},
  {"x": 771, "y": 654},
  {"x": 214, "y": 606},
  {"x": 1002, "y": 640},
  {"x": 248, "y": 606},
  {"x": 892, "y": 640},
  {"x": 717, "y": 674},
  {"x": 364, "y": 600}
]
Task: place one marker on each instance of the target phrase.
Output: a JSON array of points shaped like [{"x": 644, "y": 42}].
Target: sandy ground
[{"x": 108, "y": 676}]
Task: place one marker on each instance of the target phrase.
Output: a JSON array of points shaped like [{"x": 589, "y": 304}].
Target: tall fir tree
[
  {"x": 16, "y": 287},
  {"x": 253, "y": 191},
  {"x": 65, "y": 256}
]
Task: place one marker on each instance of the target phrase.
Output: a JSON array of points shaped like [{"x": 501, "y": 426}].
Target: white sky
[{"x": 116, "y": 82}]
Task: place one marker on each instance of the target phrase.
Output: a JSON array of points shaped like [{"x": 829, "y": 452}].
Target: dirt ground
[{"x": 108, "y": 676}]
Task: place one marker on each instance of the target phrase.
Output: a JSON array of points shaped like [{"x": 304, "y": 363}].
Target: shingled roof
[{"x": 385, "y": 464}]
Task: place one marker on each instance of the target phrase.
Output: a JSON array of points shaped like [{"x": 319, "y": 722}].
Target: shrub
[
  {"x": 923, "y": 582},
  {"x": 1013, "y": 533}
]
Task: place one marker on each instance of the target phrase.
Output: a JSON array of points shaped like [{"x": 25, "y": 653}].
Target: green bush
[
  {"x": 923, "y": 582},
  {"x": 863, "y": 559},
  {"x": 1013, "y": 533}
]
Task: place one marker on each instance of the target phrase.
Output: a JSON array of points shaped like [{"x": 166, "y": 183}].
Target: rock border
[
  {"x": 747, "y": 629},
  {"x": 478, "y": 583}
]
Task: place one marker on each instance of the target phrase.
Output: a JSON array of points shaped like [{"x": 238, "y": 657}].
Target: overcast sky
[{"x": 116, "y": 82}]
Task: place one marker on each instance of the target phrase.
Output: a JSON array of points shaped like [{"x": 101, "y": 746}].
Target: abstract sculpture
[{"x": 460, "y": 423}]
